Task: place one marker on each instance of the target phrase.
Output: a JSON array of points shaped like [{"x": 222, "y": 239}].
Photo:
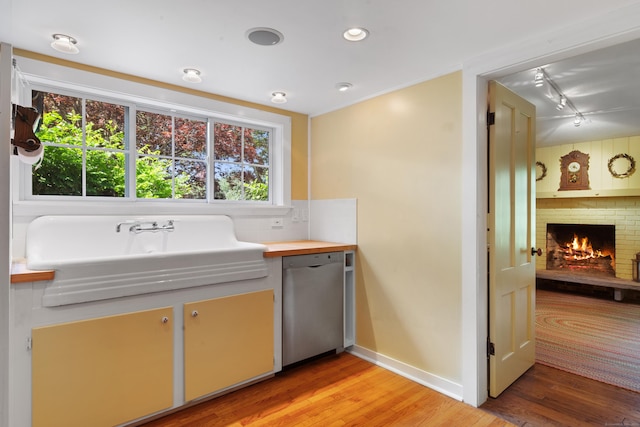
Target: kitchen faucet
[{"x": 140, "y": 226}]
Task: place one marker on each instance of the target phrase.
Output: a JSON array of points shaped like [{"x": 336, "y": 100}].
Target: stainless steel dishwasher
[{"x": 312, "y": 305}]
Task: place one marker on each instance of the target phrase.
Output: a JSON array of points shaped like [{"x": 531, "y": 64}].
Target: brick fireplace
[{"x": 621, "y": 212}]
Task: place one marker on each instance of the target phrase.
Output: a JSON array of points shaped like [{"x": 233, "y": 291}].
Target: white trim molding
[
  {"x": 427, "y": 379},
  {"x": 6, "y": 52}
]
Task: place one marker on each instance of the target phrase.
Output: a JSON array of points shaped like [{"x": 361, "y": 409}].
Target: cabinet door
[
  {"x": 227, "y": 341},
  {"x": 102, "y": 372}
]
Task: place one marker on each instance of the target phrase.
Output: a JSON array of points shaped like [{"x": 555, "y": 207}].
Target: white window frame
[{"x": 46, "y": 76}]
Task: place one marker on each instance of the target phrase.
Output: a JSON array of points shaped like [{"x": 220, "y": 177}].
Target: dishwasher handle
[{"x": 312, "y": 260}]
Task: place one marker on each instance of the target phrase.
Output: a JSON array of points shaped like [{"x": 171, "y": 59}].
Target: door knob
[{"x": 535, "y": 252}]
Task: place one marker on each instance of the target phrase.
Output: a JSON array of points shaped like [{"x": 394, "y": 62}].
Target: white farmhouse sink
[{"x": 94, "y": 261}]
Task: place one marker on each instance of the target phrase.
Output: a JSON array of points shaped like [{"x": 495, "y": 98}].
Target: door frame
[{"x": 616, "y": 27}]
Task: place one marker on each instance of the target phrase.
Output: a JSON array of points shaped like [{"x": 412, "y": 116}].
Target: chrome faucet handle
[
  {"x": 168, "y": 226},
  {"x": 137, "y": 227},
  {"x": 120, "y": 224}
]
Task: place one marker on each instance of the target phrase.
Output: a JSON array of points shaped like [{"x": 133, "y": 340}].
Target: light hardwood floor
[{"x": 337, "y": 390}]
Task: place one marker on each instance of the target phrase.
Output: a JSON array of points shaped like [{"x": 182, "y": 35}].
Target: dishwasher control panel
[{"x": 311, "y": 260}]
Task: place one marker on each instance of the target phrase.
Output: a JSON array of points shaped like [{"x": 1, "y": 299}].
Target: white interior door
[{"x": 511, "y": 234}]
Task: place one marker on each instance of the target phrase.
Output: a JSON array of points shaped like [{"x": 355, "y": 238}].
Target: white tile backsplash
[{"x": 334, "y": 220}]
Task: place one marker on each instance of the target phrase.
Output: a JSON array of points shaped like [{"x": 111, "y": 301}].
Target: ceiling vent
[{"x": 265, "y": 36}]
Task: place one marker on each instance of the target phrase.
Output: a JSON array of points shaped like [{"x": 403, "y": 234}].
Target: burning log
[{"x": 578, "y": 256}]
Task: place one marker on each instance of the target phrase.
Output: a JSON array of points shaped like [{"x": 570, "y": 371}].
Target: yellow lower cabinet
[
  {"x": 104, "y": 371},
  {"x": 227, "y": 341}
]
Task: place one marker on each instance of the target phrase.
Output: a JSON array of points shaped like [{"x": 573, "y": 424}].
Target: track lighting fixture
[{"x": 540, "y": 78}]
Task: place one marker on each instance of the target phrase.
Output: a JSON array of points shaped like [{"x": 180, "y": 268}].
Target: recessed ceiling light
[
  {"x": 65, "y": 44},
  {"x": 279, "y": 97},
  {"x": 355, "y": 34},
  {"x": 344, "y": 86},
  {"x": 265, "y": 36},
  {"x": 191, "y": 75}
]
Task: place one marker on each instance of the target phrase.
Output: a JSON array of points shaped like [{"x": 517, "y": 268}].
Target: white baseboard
[{"x": 439, "y": 384}]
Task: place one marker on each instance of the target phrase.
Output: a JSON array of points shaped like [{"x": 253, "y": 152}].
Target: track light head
[
  {"x": 538, "y": 78},
  {"x": 578, "y": 120}
]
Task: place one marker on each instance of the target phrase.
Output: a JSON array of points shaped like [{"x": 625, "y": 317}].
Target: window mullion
[
  {"x": 84, "y": 146},
  {"x": 210, "y": 160},
  {"x": 132, "y": 155},
  {"x": 173, "y": 156},
  {"x": 242, "y": 165}
]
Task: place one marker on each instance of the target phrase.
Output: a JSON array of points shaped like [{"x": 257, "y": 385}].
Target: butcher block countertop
[
  {"x": 303, "y": 247},
  {"x": 20, "y": 273}
]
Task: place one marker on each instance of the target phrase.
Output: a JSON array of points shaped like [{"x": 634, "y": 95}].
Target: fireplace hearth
[{"x": 587, "y": 249}]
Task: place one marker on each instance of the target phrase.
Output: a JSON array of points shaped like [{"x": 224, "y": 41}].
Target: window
[
  {"x": 171, "y": 157},
  {"x": 106, "y": 148},
  {"x": 85, "y": 147},
  {"x": 241, "y": 162}
]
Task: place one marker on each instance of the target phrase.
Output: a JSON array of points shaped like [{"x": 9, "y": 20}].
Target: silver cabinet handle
[
  {"x": 165, "y": 319},
  {"x": 194, "y": 313}
]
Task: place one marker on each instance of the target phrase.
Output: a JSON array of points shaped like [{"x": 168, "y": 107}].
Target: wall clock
[{"x": 574, "y": 171}]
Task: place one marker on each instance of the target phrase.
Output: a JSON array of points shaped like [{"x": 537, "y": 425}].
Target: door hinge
[
  {"x": 491, "y": 118},
  {"x": 29, "y": 344},
  {"x": 491, "y": 348}
]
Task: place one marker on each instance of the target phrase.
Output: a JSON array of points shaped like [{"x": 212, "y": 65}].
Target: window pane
[
  {"x": 256, "y": 183},
  {"x": 61, "y": 121},
  {"x": 228, "y": 182},
  {"x": 105, "y": 173},
  {"x": 191, "y": 138},
  {"x": 105, "y": 124},
  {"x": 154, "y": 132},
  {"x": 190, "y": 179},
  {"x": 153, "y": 178},
  {"x": 60, "y": 173},
  {"x": 256, "y": 147},
  {"x": 227, "y": 142}
]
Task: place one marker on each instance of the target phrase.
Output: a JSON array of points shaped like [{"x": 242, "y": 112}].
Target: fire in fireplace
[{"x": 581, "y": 248}]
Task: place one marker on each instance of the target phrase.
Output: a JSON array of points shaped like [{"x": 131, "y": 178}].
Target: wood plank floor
[
  {"x": 546, "y": 396},
  {"x": 337, "y": 390}
]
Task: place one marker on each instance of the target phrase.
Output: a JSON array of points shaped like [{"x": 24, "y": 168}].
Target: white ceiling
[
  {"x": 603, "y": 85},
  {"x": 410, "y": 41}
]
